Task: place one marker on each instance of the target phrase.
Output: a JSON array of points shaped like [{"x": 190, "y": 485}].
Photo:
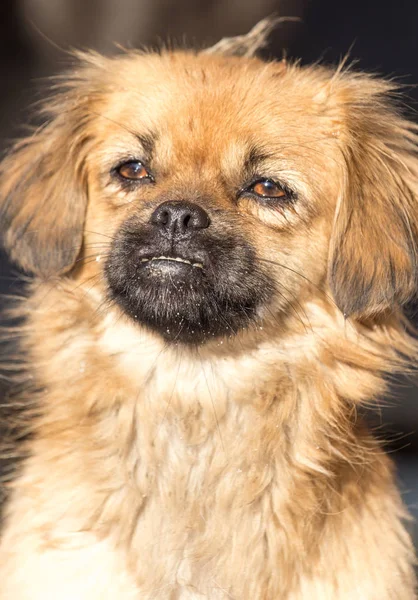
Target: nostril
[
  {"x": 186, "y": 220},
  {"x": 164, "y": 217},
  {"x": 200, "y": 219}
]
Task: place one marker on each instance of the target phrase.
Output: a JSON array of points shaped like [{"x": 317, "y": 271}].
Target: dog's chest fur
[
  {"x": 173, "y": 478},
  {"x": 199, "y": 475},
  {"x": 203, "y": 501}
]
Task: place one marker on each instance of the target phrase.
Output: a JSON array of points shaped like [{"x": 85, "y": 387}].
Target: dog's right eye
[{"x": 133, "y": 170}]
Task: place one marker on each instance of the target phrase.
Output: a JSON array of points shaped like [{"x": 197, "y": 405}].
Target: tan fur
[{"x": 239, "y": 469}]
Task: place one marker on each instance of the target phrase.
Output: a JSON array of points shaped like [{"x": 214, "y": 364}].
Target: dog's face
[
  {"x": 207, "y": 195},
  {"x": 209, "y": 205}
]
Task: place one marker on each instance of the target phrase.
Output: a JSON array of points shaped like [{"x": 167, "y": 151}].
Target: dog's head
[{"x": 211, "y": 192}]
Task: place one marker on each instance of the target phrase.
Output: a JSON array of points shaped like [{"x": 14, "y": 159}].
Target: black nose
[{"x": 179, "y": 218}]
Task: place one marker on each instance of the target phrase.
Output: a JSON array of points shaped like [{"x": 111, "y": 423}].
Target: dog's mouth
[{"x": 160, "y": 260}]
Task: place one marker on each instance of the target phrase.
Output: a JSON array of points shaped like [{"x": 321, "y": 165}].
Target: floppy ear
[
  {"x": 43, "y": 199},
  {"x": 374, "y": 249}
]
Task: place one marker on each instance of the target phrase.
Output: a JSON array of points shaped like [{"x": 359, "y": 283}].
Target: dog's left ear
[
  {"x": 373, "y": 263},
  {"x": 43, "y": 199}
]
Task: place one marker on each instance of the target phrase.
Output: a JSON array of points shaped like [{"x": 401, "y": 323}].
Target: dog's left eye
[
  {"x": 267, "y": 188},
  {"x": 268, "y": 192},
  {"x": 133, "y": 170}
]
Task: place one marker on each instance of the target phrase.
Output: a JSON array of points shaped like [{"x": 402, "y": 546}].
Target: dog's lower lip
[{"x": 192, "y": 263}]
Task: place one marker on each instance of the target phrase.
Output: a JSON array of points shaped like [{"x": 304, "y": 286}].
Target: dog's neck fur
[{"x": 190, "y": 443}]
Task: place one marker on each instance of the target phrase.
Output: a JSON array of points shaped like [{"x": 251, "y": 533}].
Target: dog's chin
[{"x": 175, "y": 300}]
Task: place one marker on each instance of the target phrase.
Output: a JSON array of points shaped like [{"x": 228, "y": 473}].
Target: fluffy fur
[{"x": 236, "y": 467}]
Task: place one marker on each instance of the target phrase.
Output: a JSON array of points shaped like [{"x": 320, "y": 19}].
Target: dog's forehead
[{"x": 207, "y": 96}]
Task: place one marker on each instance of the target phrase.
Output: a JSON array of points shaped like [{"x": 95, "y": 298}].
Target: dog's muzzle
[{"x": 185, "y": 273}]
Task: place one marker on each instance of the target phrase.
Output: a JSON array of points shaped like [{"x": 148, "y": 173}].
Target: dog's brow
[
  {"x": 254, "y": 157},
  {"x": 147, "y": 141}
]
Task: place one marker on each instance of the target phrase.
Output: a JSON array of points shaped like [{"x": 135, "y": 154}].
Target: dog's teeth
[
  {"x": 175, "y": 259},
  {"x": 144, "y": 259}
]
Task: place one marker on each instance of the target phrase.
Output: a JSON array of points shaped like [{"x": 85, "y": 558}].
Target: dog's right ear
[
  {"x": 43, "y": 179},
  {"x": 43, "y": 199}
]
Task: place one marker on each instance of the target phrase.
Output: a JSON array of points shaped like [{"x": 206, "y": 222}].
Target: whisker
[
  {"x": 97, "y": 114},
  {"x": 84, "y": 281},
  {"x": 100, "y": 233},
  {"x": 91, "y": 258},
  {"x": 273, "y": 262},
  {"x": 97, "y": 245},
  {"x": 102, "y": 308},
  {"x": 294, "y": 310},
  {"x": 302, "y": 309}
]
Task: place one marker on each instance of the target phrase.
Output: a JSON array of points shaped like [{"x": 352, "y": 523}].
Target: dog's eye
[
  {"x": 266, "y": 188},
  {"x": 133, "y": 170},
  {"x": 269, "y": 193}
]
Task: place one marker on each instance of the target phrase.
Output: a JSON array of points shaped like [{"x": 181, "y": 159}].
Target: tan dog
[{"x": 222, "y": 248}]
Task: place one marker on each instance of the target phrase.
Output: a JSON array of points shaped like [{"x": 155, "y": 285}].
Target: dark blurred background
[{"x": 35, "y": 36}]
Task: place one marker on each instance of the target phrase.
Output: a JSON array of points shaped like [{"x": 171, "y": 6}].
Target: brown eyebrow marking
[
  {"x": 147, "y": 141},
  {"x": 254, "y": 157}
]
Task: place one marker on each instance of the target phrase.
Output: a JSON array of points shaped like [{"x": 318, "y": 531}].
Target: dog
[{"x": 222, "y": 249}]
